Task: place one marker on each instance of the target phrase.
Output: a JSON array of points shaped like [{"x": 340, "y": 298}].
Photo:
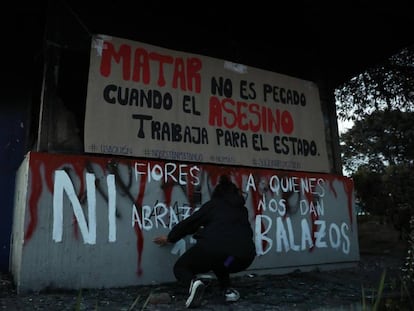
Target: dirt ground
[{"x": 344, "y": 289}]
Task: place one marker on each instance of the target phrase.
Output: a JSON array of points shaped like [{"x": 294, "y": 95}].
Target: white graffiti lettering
[
  {"x": 295, "y": 184},
  {"x": 160, "y": 211},
  {"x": 273, "y": 205},
  {"x": 284, "y": 237},
  {"x": 167, "y": 172},
  {"x": 315, "y": 209},
  {"x": 281, "y": 233},
  {"x": 263, "y": 224},
  {"x": 63, "y": 184}
]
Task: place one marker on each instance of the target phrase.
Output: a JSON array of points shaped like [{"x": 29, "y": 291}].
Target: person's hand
[{"x": 161, "y": 240}]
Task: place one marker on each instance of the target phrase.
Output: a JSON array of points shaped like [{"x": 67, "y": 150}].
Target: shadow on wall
[{"x": 64, "y": 131}]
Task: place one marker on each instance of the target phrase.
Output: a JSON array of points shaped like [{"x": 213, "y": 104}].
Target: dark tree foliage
[
  {"x": 378, "y": 150},
  {"x": 368, "y": 183},
  {"x": 379, "y": 140},
  {"x": 388, "y": 86},
  {"x": 380, "y": 101}
]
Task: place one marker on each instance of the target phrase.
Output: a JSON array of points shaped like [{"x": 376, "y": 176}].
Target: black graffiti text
[{"x": 294, "y": 146}]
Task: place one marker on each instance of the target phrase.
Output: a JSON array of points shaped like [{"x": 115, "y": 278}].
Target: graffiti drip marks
[{"x": 281, "y": 223}]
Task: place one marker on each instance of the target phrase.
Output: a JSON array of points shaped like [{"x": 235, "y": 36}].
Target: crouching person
[{"x": 224, "y": 242}]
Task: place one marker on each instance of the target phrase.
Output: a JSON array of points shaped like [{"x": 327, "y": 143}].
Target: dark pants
[{"x": 198, "y": 260}]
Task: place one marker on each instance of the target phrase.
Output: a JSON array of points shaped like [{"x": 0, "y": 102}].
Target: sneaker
[
  {"x": 196, "y": 294},
  {"x": 231, "y": 295},
  {"x": 191, "y": 285},
  {"x": 205, "y": 278}
]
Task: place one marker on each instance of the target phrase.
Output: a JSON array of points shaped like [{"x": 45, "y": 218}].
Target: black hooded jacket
[{"x": 221, "y": 224}]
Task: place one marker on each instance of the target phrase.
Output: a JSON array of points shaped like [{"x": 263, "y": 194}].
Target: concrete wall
[{"x": 88, "y": 222}]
